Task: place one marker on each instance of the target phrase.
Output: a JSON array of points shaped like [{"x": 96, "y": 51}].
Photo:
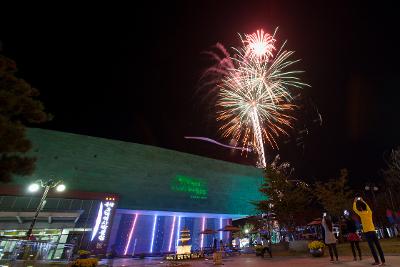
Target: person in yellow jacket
[{"x": 362, "y": 209}]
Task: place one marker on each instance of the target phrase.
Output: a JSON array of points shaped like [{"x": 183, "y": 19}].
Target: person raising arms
[{"x": 362, "y": 209}]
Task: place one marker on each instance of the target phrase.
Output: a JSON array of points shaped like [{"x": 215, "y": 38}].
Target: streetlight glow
[
  {"x": 60, "y": 188},
  {"x": 33, "y": 187}
]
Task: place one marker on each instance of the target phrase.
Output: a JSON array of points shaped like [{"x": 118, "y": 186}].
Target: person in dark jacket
[
  {"x": 215, "y": 245},
  {"x": 352, "y": 236},
  {"x": 112, "y": 255},
  {"x": 266, "y": 246}
]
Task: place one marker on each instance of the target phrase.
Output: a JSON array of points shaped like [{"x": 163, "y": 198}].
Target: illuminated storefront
[{"x": 62, "y": 221}]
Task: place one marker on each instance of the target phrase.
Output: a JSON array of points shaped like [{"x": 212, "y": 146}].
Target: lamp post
[
  {"x": 47, "y": 185},
  {"x": 391, "y": 198},
  {"x": 373, "y": 189}
]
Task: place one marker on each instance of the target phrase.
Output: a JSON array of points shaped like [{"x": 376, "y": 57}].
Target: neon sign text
[{"x": 104, "y": 221}]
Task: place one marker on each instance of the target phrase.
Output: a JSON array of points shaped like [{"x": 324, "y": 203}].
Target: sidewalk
[{"x": 253, "y": 261}]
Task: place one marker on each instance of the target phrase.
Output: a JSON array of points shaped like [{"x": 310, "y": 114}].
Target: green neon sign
[{"x": 196, "y": 188}]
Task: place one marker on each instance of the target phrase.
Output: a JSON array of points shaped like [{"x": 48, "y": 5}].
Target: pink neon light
[
  {"x": 172, "y": 234},
  {"x": 130, "y": 234},
  {"x": 202, "y": 229}
]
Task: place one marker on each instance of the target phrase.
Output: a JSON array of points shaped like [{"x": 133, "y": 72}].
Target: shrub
[
  {"x": 83, "y": 252},
  {"x": 316, "y": 245},
  {"x": 89, "y": 262}
]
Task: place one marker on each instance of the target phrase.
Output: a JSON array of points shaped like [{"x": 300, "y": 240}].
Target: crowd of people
[
  {"x": 361, "y": 208},
  {"x": 349, "y": 231}
]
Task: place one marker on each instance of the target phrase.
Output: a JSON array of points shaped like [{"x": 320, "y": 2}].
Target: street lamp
[
  {"x": 373, "y": 189},
  {"x": 47, "y": 185},
  {"x": 33, "y": 187}
]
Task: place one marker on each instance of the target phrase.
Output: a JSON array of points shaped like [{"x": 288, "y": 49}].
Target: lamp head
[
  {"x": 33, "y": 187},
  {"x": 60, "y": 188}
]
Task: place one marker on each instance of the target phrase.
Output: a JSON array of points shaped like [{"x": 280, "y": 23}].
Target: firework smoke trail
[
  {"x": 253, "y": 96},
  {"x": 258, "y": 136},
  {"x": 218, "y": 143}
]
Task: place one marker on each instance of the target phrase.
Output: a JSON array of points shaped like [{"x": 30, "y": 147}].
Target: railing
[{"x": 16, "y": 249}]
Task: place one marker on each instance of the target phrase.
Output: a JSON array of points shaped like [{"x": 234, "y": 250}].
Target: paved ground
[{"x": 253, "y": 261}]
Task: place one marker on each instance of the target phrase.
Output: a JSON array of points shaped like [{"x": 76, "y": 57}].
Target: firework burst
[
  {"x": 259, "y": 45},
  {"x": 254, "y": 96}
]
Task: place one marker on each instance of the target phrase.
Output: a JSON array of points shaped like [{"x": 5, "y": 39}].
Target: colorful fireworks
[
  {"x": 259, "y": 45},
  {"x": 254, "y": 97}
]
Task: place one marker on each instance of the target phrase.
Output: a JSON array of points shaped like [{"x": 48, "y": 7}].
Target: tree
[
  {"x": 335, "y": 196},
  {"x": 244, "y": 230},
  {"x": 392, "y": 173},
  {"x": 17, "y": 109},
  {"x": 391, "y": 176},
  {"x": 287, "y": 199}
]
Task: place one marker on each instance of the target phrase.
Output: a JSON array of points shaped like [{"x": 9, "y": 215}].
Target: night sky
[{"x": 131, "y": 73}]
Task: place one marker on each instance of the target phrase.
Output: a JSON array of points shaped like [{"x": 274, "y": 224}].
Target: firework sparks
[
  {"x": 254, "y": 96},
  {"x": 259, "y": 45}
]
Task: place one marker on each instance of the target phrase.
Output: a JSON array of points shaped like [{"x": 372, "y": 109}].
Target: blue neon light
[
  {"x": 202, "y": 229},
  {"x": 220, "y": 226},
  {"x": 172, "y": 234},
  {"x": 177, "y": 231},
  {"x": 153, "y": 233},
  {"x": 98, "y": 220}
]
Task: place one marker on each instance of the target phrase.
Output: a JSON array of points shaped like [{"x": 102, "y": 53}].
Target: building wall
[{"x": 145, "y": 177}]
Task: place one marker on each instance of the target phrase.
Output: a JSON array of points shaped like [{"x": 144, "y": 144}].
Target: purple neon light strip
[
  {"x": 130, "y": 234},
  {"x": 220, "y": 226},
  {"x": 177, "y": 231},
  {"x": 172, "y": 234},
  {"x": 98, "y": 220},
  {"x": 202, "y": 229},
  {"x": 153, "y": 233}
]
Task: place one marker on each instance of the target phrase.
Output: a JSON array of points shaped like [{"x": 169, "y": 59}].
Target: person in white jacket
[{"x": 330, "y": 239}]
